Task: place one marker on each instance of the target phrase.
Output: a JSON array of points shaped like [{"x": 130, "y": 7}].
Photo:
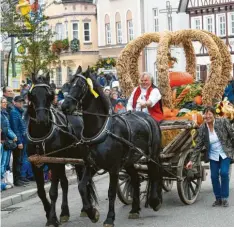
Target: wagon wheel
[
  {"x": 188, "y": 188},
  {"x": 167, "y": 185},
  {"x": 125, "y": 190}
]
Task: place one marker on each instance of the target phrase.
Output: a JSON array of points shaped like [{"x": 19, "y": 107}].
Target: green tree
[{"x": 35, "y": 38}]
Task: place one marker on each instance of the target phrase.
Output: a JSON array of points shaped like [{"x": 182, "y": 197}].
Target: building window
[
  {"x": 222, "y": 25},
  {"x": 75, "y": 30},
  {"x": 108, "y": 33},
  {"x": 69, "y": 73},
  {"x": 119, "y": 32},
  {"x": 59, "y": 76},
  {"x": 156, "y": 24},
  {"x": 59, "y": 32},
  {"x": 197, "y": 22},
  {"x": 87, "y": 36},
  {"x": 232, "y": 24},
  {"x": 66, "y": 29},
  {"x": 130, "y": 30},
  {"x": 198, "y": 73},
  {"x": 209, "y": 23}
]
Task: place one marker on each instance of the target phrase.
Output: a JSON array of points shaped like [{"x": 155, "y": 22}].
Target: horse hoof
[
  {"x": 108, "y": 225},
  {"x": 52, "y": 223},
  {"x": 133, "y": 216},
  {"x": 64, "y": 219},
  {"x": 83, "y": 214},
  {"x": 158, "y": 207},
  {"x": 96, "y": 217}
]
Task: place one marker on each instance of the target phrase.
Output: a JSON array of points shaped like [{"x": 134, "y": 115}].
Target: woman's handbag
[{"x": 9, "y": 144}]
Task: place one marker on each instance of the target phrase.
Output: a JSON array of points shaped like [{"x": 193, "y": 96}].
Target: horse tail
[{"x": 92, "y": 192}]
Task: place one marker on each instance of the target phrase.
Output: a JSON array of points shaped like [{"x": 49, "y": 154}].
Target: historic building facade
[
  {"x": 75, "y": 25},
  {"x": 216, "y": 16},
  {"x": 162, "y": 16},
  {"x": 119, "y": 21}
]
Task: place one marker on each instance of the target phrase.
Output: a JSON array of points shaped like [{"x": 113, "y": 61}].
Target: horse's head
[
  {"x": 40, "y": 97},
  {"x": 78, "y": 90}
]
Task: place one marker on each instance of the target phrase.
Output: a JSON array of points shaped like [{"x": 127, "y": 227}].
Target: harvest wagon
[{"x": 178, "y": 133}]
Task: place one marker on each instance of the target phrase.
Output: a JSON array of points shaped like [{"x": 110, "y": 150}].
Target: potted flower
[
  {"x": 75, "y": 45},
  {"x": 65, "y": 44}
]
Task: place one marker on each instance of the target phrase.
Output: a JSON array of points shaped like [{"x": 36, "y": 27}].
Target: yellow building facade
[{"x": 75, "y": 25}]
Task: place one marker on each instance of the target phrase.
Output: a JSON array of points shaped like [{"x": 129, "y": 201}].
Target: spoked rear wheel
[
  {"x": 167, "y": 185},
  {"x": 125, "y": 189},
  {"x": 188, "y": 188}
]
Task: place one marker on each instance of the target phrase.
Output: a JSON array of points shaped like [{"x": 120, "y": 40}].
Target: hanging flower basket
[
  {"x": 60, "y": 45},
  {"x": 65, "y": 44},
  {"x": 75, "y": 45},
  {"x": 106, "y": 63},
  {"x": 57, "y": 46}
]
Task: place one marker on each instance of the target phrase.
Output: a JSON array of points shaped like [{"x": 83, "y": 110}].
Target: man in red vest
[{"x": 146, "y": 98}]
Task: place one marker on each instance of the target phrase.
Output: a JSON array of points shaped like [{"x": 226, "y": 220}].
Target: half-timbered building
[{"x": 216, "y": 16}]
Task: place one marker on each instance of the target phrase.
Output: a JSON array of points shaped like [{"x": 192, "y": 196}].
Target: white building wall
[
  {"x": 111, "y": 7},
  {"x": 179, "y": 21},
  {"x": 205, "y": 60}
]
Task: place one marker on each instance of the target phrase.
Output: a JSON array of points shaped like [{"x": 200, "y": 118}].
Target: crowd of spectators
[
  {"x": 16, "y": 170},
  {"x": 13, "y": 127}
]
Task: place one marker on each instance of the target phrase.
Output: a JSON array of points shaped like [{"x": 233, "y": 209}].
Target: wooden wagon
[{"x": 174, "y": 157}]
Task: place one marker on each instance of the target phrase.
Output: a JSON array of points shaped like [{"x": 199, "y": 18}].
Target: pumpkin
[
  {"x": 198, "y": 100},
  {"x": 169, "y": 113},
  {"x": 180, "y": 78}
]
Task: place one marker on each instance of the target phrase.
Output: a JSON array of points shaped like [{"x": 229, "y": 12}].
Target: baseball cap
[
  {"x": 107, "y": 88},
  {"x": 18, "y": 99},
  {"x": 115, "y": 84}
]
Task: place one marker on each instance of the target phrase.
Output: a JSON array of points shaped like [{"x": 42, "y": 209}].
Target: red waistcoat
[{"x": 155, "y": 111}]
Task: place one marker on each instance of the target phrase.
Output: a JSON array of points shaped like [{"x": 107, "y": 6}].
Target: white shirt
[
  {"x": 216, "y": 149},
  {"x": 154, "y": 97}
]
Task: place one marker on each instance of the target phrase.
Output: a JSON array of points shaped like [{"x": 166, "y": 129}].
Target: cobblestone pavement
[{"x": 173, "y": 212}]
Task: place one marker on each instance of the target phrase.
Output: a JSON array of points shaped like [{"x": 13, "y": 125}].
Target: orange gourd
[
  {"x": 198, "y": 100},
  {"x": 180, "y": 78},
  {"x": 169, "y": 113}
]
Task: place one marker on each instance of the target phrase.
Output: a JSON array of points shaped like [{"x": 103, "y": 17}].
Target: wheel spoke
[
  {"x": 125, "y": 188},
  {"x": 122, "y": 182},
  {"x": 191, "y": 187},
  {"x": 189, "y": 193},
  {"x": 194, "y": 182}
]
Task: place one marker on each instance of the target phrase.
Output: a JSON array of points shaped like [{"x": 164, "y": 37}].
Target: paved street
[{"x": 173, "y": 213}]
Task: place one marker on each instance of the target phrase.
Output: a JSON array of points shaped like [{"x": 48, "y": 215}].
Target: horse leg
[
  {"x": 79, "y": 172},
  {"x": 53, "y": 220},
  {"x": 109, "y": 222},
  {"x": 86, "y": 191},
  {"x": 155, "y": 185},
  {"x": 39, "y": 177},
  {"x": 65, "y": 215},
  {"x": 135, "y": 182}
]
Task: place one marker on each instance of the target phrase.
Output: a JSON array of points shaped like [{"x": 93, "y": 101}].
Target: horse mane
[{"x": 99, "y": 90}]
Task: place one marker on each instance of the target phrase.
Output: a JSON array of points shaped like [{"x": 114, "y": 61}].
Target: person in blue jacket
[
  {"x": 22, "y": 170},
  {"x": 229, "y": 91},
  {"x": 6, "y": 134}
]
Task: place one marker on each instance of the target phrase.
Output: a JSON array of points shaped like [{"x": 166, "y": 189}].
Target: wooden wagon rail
[
  {"x": 38, "y": 160},
  {"x": 177, "y": 127}
]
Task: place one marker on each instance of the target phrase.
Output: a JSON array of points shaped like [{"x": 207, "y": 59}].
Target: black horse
[
  {"x": 115, "y": 141},
  {"x": 49, "y": 130}
]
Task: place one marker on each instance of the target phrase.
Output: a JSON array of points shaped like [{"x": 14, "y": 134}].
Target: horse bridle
[
  {"x": 84, "y": 89},
  {"x": 48, "y": 88}
]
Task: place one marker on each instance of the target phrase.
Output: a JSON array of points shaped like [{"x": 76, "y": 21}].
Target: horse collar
[
  {"x": 101, "y": 136},
  {"x": 46, "y": 137}
]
